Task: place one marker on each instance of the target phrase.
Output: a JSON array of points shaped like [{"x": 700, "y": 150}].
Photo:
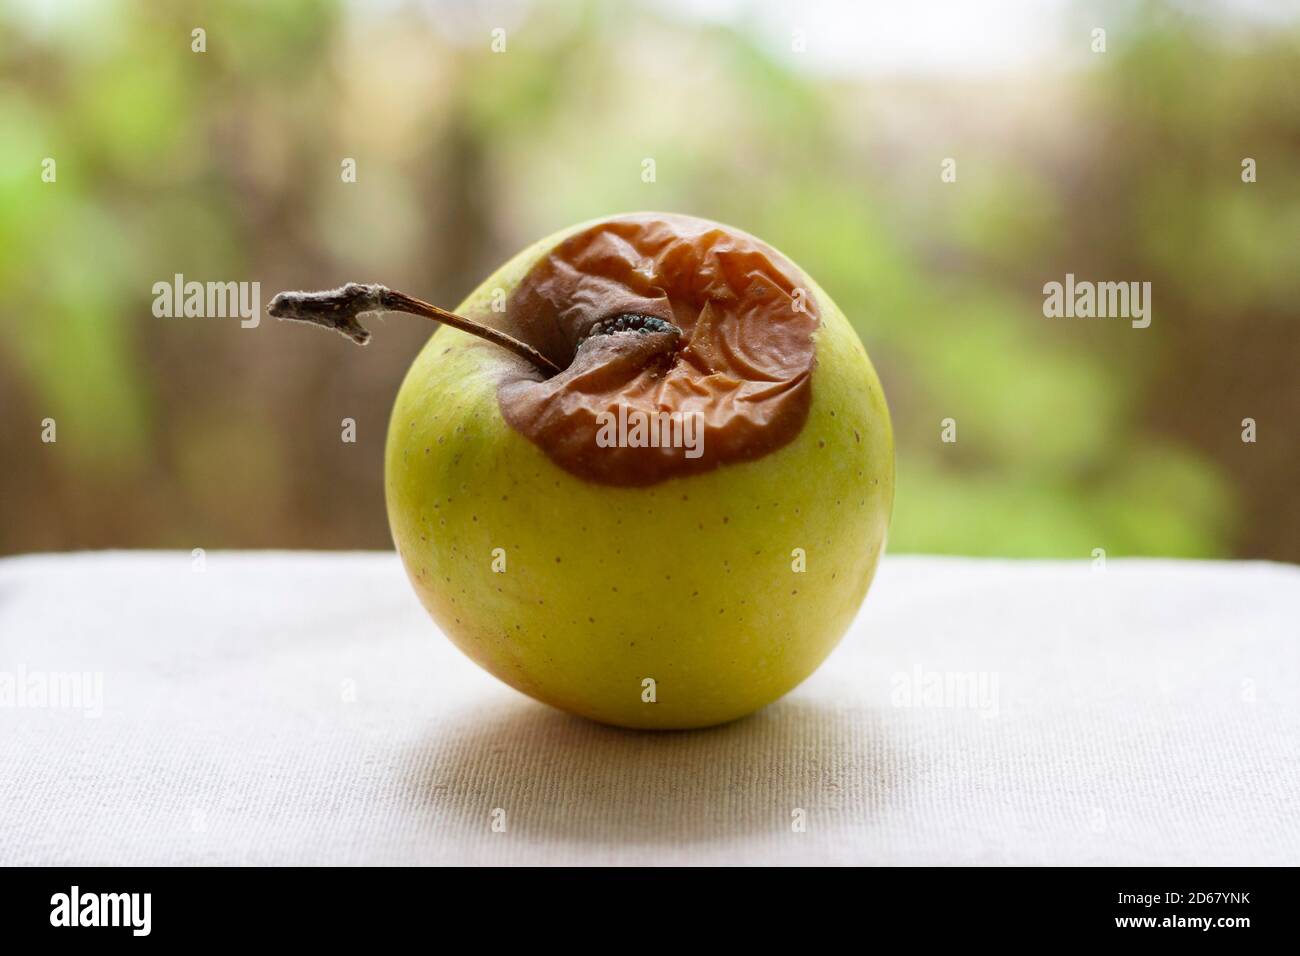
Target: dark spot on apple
[{"x": 630, "y": 322}]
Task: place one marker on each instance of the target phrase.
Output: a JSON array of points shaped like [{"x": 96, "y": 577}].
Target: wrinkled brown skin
[{"x": 744, "y": 360}]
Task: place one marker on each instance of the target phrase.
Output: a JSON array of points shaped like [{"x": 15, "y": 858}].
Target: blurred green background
[{"x": 820, "y": 128}]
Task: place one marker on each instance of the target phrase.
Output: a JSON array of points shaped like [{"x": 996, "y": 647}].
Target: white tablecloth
[{"x": 282, "y": 708}]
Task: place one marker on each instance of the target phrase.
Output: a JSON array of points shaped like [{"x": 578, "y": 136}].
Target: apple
[{"x": 663, "y": 504}]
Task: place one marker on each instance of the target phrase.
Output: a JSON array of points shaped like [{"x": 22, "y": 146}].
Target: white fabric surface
[{"x": 1146, "y": 714}]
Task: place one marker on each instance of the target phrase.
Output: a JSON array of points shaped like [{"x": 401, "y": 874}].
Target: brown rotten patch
[{"x": 652, "y": 318}]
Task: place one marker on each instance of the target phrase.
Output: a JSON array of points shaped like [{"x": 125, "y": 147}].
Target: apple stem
[{"x": 338, "y": 309}]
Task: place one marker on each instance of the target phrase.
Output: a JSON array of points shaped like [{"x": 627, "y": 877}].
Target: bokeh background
[{"x": 820, "y": 127}]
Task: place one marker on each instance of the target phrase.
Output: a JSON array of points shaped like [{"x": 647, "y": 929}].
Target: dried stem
[{"x": 338, "y": 309}]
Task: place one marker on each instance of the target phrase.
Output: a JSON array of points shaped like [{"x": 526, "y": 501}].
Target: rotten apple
[{"x": 643, "y": 473}]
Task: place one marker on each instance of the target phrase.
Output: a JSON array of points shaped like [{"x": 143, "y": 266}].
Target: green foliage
[{"x": 1072, "y": 435}]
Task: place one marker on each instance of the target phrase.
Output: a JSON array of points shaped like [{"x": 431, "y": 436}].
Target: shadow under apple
[{"x": 548, "y": 775}]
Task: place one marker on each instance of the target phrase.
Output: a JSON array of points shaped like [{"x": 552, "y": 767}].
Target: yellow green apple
[{"x": 650, "y": 590}]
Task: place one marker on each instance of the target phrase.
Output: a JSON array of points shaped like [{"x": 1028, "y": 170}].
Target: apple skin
[{"x": 690, "y": 582}]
